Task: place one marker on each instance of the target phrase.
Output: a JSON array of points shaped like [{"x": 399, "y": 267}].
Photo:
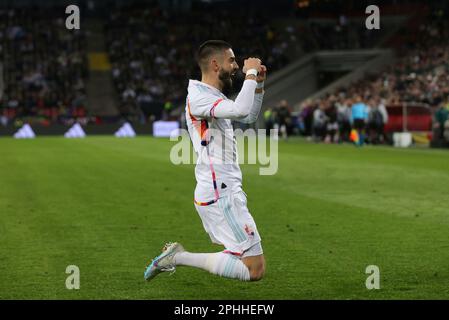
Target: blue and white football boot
[{"x": 163, "y": 262}]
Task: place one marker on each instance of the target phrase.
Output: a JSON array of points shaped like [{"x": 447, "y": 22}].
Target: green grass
[{"x": 108, "y": 205}]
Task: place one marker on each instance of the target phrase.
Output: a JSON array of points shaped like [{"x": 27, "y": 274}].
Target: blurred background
[{"x": 130, "y": 61}]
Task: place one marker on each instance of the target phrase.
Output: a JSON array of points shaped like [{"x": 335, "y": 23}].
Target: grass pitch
[{"x": 108, "y": 205}]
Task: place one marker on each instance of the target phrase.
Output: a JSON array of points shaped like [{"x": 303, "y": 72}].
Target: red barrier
[{"x": 418, "y": 118}]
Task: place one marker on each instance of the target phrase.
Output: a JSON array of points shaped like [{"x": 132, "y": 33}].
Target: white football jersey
[{"x": 209, "y": 115}]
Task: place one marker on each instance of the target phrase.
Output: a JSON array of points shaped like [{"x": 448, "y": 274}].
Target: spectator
[
  {"x": 306, "y": 117},
  {"x": 319, "y": 122},
  {"x": 269, "y": 119},
  {"x": 344, "y": 118},
  {"x": 332, "y": 134},
  {"x": 377, "y": 119},
  {"x": 440, "y": 119},
  {"x": 283, "y": 118}
]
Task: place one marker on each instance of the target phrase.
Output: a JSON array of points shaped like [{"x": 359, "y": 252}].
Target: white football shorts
[{"x": 229, "y": 223}]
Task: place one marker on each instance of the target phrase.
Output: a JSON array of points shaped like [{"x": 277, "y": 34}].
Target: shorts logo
[{"x": 249, "y": 231}]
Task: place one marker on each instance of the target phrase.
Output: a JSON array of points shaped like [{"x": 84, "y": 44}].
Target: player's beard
[{"x": 225, "y": 78}]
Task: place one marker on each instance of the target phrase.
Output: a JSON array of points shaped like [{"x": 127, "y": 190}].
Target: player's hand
[
  {"x": 251, "y": 63},
  {"x": 262, "y": 75}
]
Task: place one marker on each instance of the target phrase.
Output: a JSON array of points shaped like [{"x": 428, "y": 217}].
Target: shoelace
[
  {"x": 166, "y": 246},
  {"x": 171, "y": 269}
]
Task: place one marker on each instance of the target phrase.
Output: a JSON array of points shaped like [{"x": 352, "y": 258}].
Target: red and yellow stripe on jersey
[{"x": 202, "y": 128}]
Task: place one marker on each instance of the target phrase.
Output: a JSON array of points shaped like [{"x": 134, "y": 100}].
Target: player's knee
[
  {"x": 256, "y": 267},
  {"x": 257, "y": 273}
]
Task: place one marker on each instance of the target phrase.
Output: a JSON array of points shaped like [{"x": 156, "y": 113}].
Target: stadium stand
[
  {"x": 150, "y": 72},
  {"x": 419, "y": 79},
  {"x": 48, "y": 77},
  {"x": 45, "y": 68}
]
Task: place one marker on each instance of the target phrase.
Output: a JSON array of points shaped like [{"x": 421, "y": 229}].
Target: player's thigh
[
  {"x": 239, "y": 232},
  {"x": 212, "y": 220}
]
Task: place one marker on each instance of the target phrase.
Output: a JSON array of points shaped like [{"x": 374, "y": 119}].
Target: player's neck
[{"x": 212, "y": 81}]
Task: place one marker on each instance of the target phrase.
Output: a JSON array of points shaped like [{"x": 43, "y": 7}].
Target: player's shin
[{"x": 222, "y": 264}]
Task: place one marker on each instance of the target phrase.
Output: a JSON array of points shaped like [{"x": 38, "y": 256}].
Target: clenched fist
[
  {"x": 262, "y": 74},
  {"x": 251, "y": 63}
]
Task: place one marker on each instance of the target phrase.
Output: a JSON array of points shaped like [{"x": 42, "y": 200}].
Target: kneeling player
[{"x": 219, "y": 198}]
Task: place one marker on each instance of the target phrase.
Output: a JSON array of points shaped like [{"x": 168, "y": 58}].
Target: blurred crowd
[
  {"x": 44, "y": 67},
  {"x": 153, "y": 57},
  {"x": 337, "y": 119},
  {"x": 420, "y": 76},
  {"x": 152, "y": 51},
  {"x": 331, "y": 120},
  {"x": 151, "y": 71},
  {"x": 342, "y": 34}
]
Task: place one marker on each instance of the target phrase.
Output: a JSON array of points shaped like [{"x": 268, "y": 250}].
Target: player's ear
[{"x": 214, "y": 65}]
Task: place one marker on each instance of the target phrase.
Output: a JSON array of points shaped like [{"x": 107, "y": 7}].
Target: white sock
[{"x": 219, "y": 263}]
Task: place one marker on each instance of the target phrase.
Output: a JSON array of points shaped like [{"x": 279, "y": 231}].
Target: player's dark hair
[{"x": 209, "y": 48}]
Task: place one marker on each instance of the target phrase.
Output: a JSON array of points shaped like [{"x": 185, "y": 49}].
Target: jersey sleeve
[
  {"x": 255, "y": 109},
  {"x": 202, "y": 106},
  {"x": 212, "y": 106}
]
